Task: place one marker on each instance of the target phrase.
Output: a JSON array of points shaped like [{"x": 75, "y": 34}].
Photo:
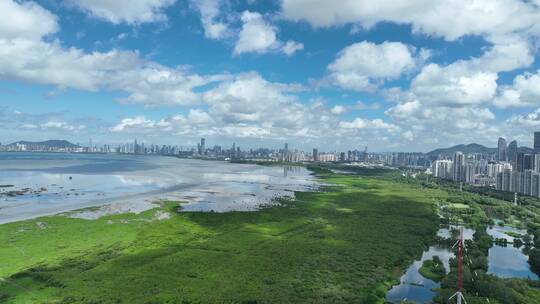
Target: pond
[
  {"x": 413, "y": 286},
  {"x": 508, "y": 261},
  {"x": 505, "y": 262}
]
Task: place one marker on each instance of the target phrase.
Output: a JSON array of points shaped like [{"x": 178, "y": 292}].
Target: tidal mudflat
[{"x": 38, "y": 184}]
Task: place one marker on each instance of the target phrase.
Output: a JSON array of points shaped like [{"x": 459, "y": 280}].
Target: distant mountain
[
  {"x": 471, "y": 148},
  {"x": 58, "y": 144},
  {"x": 525, "y": 150}
]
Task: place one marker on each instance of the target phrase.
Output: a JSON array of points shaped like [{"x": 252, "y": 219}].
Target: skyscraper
[
  {"x": 203, "y": 147},
  {"x": 501, "y": 149},
  {"x": 512, "y": 153},
  {"x": 315, "y": 155},
  {"x": 536, "y": 142},
  {"x": 457, "y": 168},
  {"x": 537, "y": 163},
  {"x": 528, "y": 162},
  {"x": 520, "y": 162}
]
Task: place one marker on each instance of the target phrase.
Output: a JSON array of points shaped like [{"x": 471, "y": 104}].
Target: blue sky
[{"x": 393, "y": 75}]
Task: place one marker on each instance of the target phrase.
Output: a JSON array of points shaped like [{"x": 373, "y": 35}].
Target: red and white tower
[{"x": 458, "y": 295}]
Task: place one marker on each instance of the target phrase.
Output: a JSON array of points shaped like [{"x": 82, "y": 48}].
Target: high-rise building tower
[
  {"x": 536, "y": 142},
  {"x": 536, "y": 166},
  {"x": 315, "y": 155},
  {"x": 203, "y": 146},
  {"x": 458, "y": 167},
  {"x": 501, "y": 149},
  {"x": 511, "y": 154}
]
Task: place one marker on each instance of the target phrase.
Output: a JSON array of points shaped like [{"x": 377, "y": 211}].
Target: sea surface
[{"x": 53, "y": 183}]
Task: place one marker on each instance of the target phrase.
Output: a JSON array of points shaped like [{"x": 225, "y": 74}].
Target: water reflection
[
  {"x": 508, "y": 261},
  {"x": 452, "y": 232},
  {"x": 413, "y": 286},
  {"x": 73, "y": 181},
  {"x": 501, "y": 232},
  {"x": 503, "y": 261}
]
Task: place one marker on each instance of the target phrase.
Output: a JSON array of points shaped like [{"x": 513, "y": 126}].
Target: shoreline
[
  {"x": 312, "y": 228},
  {"x": 182, "y": 191}
]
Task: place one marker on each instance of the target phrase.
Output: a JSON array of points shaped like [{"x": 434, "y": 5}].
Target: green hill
[
  {"x": 471, "y": 148},
  {"x": 48, "y": 143}
]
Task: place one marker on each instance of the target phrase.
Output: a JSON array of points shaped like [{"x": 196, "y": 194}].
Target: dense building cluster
[{"x": 510, "y": 168}]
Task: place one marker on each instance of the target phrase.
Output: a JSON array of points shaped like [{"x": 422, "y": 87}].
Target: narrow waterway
[
  {"x": 503, "y": 261},
  {"x": 413, "y": 286}
]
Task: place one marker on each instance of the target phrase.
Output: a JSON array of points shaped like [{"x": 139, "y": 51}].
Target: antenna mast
[{"x": 458, "y": 295}]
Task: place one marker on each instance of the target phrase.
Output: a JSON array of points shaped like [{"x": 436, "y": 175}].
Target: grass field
[{"x": 341, "y": 245}]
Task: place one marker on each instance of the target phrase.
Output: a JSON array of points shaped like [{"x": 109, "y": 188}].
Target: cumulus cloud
[
  {"x": 141, "y": 124},
  {"x": 491, "y": 18},
  {"x": 198, "y": 116},
  {"x": 62, "y": 125},
  {"x": 131, "y": 12},
  {"x": 249, "y": 106},
  {"x": 338, "y": 110},
  {"x": 362, "y": 65},
  {"x": 259, "y": 36},
  {"x": 250, "y": 98},
  {"x": 209, "y": 10},
  {"x": 470, "y": 82},
  {"x": 256, "y": 35},
  {"x": 454, "y": 85},
  {"x": 361, "y": 123},
  {"x": 25, "y": 20},
  {"x": 454, "y": 124},
  {"x": 530, "y": 120},
  {"x": 524, "y": 91},
  {"x": 28, "y": 57},
  {"x": 291, "y": 47},
  {"x": 448, "y": 101}
]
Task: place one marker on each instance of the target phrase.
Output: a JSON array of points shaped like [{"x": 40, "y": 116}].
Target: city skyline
[{"x": 261, "y": 73}]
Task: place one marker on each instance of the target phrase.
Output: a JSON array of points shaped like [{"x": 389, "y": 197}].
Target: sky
[{"x": 393, "y": 75}]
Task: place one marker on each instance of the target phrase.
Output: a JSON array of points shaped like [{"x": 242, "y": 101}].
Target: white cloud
[
  {"x": 362, "y": 123},
  {"x": 291, "y": 47},
  {"x": 209, "y": 10},
  {"x": 141, "y": 124},
  {"x": 259, "y": 36},
  {"x": 360, "y": 105},
  {"x": 256, "y": 35},
  {"x": 29, "y": 126},
  {"x": 198, "y": 116},
  {"x": 453, "y": 85},
  {"x": 454, "y": 125},
  {"x": 338, "y": 110},
  {"x": 152, "y": 84},
  {"x": 248, "y": 98},
  {"x": 529, "y": 120},
  {"x": 49, "y": 63},
  {"x": 61, "y": 125},
  {"x": 28, "y": 57},
  {"x": 131, "y": 12},
  {"x": 361, "y": 65},
  {"x": 491, "y": 18},
  {"x": 25, "y": 20},
  {"x": 505, "y": 55},
  {"x": 524, "y": 91}
]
